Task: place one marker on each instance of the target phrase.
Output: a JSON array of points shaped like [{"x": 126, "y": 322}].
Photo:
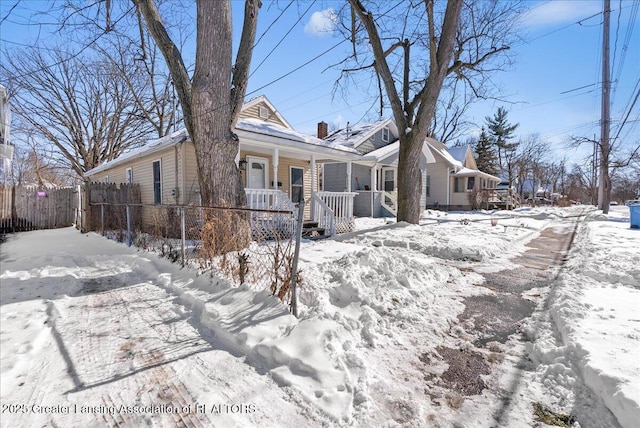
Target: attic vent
[{"x": 263, "y": 112}]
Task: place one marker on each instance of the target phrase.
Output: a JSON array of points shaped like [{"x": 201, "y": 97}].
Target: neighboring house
[
  {"x": 278, "y": 165},
  {"x": 375, "y": 175},
  {"x": 454, "y": 181}
]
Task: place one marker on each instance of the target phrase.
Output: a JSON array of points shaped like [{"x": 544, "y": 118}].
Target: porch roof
[
  {"x": 389, "y": 154},
  {"x": 251, "y": 132},
  {"x": 468, "y": 172},
  {"x": 266, "y": 134}
]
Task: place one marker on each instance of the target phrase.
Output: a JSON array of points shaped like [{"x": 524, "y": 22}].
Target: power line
[
  {"x": 10, "y": 10},
  {"x": 625, "y": 44},
  {"x": 283, "y": 37},
  {"x": 84, "y": 48}
]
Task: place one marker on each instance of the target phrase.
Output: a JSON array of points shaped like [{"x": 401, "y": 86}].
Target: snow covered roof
[
  {"x": 354, "y": 135},
  {"x": 258, "y": 126},
  {"x": 442, "y": 150},
  {"x": 254, "y": 128},
  {"x": 459, "y": 153},
  {"x": 148, "y": 148},
  {"x": 468, "y": 172}
]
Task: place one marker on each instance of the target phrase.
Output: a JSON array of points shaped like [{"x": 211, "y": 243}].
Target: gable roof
[
  {"x": 442, "y": 150},
  {"x": 248, "y": 127},
  {"x": 459, "y": 153},
  {"x": 150, "y": 147},
  {"x": 261, "y": 99},
  {"x": 355, "y": 135}
]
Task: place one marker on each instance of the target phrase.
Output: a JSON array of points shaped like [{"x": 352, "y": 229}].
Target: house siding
[
  {"x": 253, "y": 112},
  {"x": 438, "y": 193},
  {"x": 374, "y": 142},
  {"x": 142, "y": 170}
]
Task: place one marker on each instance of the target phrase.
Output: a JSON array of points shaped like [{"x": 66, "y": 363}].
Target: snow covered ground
[{"x": 93, "y": 332}]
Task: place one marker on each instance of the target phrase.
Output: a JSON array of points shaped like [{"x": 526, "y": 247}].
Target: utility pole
[{"x": 604, "y": 188}]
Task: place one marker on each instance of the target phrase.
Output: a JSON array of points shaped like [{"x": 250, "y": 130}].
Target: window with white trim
[
  {"x": 471, "y": 182},
  {"x": 385, "y": 135},
  {"x": 263, "y": 112},
  {"x": 129, "y": 176},
  {"x": 297, "y": 184}
]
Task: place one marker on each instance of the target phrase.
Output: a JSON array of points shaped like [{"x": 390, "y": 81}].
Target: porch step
[{"x": 310, "y": 230}]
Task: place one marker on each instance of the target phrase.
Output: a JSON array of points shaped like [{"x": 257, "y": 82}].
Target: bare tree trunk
[
  {"x": 210, "y": 106},
  {"x": 413, "y": 132}
]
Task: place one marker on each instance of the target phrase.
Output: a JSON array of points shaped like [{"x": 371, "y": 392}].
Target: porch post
[
  {"x": 448, "y": 188},
  {"x": 276, "y": 160},
  {"x": 373, "y": 186},
  {"x": 238, "y": 157},
  {"x": 349, "y": 165},
  {"x": 313, "y": 185}
]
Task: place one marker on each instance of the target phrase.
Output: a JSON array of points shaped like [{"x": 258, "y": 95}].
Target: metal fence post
[
  {"x": 296, "y": 254},
  {"x": 128, "y": 225},
  {"x": 182, "y": 235},
  {"x": 102, "y": 218}
]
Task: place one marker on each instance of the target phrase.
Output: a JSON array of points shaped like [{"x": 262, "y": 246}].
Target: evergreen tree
[
  {"x": 486, "y": 155},
  {"x": 501, "y": 132}
]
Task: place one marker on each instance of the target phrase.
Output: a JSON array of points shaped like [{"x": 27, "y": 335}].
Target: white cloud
[
  {"x": 560, "y": 11},
  {"x": 321, "y": 23}
]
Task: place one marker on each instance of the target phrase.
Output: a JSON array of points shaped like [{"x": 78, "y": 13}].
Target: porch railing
[
  {"x": 268, "y": 199},
  {"x": 390, "y": 201},
  {"x": 340, "y": 204},
  {"x": 267, "y": 223},
  {"x": 323, "y": 214}
]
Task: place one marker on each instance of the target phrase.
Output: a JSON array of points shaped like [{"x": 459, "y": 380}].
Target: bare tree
[
  {"x": 80, "y": 105},
  {"x": 449, "y": 122},
  {"x": 149, "y": 80},
  {"x": 619, "y": 156},
  {"x": 412, "y": 52},
  {"x": 211, "y": 100}
]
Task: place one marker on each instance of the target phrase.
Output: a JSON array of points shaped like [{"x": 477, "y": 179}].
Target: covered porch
[{"x": 278, "y": 173}]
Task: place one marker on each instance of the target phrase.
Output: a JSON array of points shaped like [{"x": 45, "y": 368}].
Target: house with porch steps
[
  {"x": 279, "y": 166},
  {"x": 450, "y": 176},
  {"x": 374, "y": 175},
  {"x": 456, "y": 183}
]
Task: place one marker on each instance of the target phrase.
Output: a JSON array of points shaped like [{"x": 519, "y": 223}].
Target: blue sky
[{"x": 561, "y": 53}]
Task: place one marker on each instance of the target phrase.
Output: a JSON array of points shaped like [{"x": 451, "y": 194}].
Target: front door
[{"x": 258, "y": 175}]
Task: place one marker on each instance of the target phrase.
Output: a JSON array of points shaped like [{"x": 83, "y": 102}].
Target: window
[
  {"x": 428, "y": 186},
  {"x": 457, "y": 185},
  {"x": 129, "y": 175},
  {"x": 297, "y": 184},
  {"x": 385, "y": 135},
  {"x": 157, "y": 183},
  {"x": 471, "y": 182},
  {"x": 106, "y": 179},
  {"x": 263, "y": 112}
]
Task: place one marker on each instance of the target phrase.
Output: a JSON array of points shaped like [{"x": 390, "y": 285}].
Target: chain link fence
[{"x": 201, "y": 237}]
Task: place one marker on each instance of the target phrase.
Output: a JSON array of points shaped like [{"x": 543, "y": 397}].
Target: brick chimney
[{"x": 323, "y": 130}]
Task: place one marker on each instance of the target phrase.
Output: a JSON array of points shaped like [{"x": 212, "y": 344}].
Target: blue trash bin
[{"x": 634, "y": 216}]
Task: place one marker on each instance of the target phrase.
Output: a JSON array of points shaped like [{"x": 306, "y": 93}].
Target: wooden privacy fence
[
  {"x": 104, "y": 205},
  {"x": 29, "y": 208}
]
